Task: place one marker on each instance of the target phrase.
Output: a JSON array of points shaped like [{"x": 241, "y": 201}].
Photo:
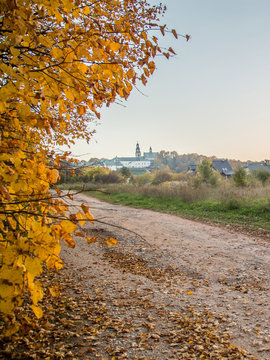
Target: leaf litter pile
[{"x": 95, "y": 319}]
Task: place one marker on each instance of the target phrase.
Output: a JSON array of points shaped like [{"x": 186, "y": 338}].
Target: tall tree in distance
[{"x": 61, "y": 60}]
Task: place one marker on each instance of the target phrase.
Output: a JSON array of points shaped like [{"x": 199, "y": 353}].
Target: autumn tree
[{"x": 61, "y": 60}]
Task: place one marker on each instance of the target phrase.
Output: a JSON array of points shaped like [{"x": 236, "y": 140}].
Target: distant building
[
  {"x": 255, "y": 166},
  {"x": 138, "y": 151},
  {"x": 192, "y": 168},
  {"x": 138, "y": 162},
  {"x": 223, "y": 167},
  {"x": 150, "y": 155}
]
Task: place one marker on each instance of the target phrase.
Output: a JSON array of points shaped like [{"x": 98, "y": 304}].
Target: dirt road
[{"x": 181, "y": 274}]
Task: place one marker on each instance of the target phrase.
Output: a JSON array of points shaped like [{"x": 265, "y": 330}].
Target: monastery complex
[{"x": 138, "y": 162}]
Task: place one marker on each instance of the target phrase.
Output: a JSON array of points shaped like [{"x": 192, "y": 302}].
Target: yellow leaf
[
  {"x": 115, "y": 46},
  {"x": 81, "y": 110},
  {"x": 190, "y": 293},
  {"x": 12, "y": 329},
  {"x": 53, "y": 175},
  {"x": 69, "y": 94},
  {"x": 36, "y": 292},
  {"x": 7, "y": 306},
  {"x": 13, "y": 275},
  {"x": 37, "y": 311},
  {"x": 10, "y": 254},
  {"x": 56, "y": 53},
  {"x": 86, "y": 10},
  {"x": 81, "y": 218},
  {"x": 45, "y": 40},
  {"x": 111, "y": 242},
  {"x": 131, "y": 73},
  {"x": 15, "y": 52},
  {"x": 68, "y": 226},
  {"x": 33, "y": 266},
  {"x": 12, "y": 223},
  {"x": 82, "y": 67},
  {"x": 6, "y": 290}
]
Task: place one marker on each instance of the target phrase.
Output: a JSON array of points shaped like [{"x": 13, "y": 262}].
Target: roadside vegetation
[{"x": 242, "y": 200}]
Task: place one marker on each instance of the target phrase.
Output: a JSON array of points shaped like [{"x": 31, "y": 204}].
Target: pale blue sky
[{"x": 213, "y": 98}]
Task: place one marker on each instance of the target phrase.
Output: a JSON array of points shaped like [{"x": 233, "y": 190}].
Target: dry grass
[{"x": 185, "y": 192}]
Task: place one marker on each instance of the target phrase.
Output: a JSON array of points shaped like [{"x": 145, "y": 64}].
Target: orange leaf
[
  {"x": 162, "y": 29},
  {"x": 73, "y": 217},
  {"x": 80, "y": 234},
  {"x": 69, "y": 241},
  {"x": 85, "y": 208},
  {"x": 174, "y": 33},
  {"x": 59, "y": 192},
  {"x": 167, "y": 55},
  {"x": 90, "y": 217}
]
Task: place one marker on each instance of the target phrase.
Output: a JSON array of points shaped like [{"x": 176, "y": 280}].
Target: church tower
[{"x": 138, "y": 151}]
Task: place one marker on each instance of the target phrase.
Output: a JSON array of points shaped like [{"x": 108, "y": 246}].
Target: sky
[{"x": 213, "y": 98}]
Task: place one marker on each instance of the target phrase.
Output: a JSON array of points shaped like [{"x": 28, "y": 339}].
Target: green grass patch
[{"x": 254, "y": 214}]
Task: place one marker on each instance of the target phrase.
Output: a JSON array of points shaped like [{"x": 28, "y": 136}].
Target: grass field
[{"x": 251, "y": 214}]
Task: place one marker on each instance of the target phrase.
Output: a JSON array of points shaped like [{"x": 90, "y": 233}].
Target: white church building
[{"x": 138, "y": 162}]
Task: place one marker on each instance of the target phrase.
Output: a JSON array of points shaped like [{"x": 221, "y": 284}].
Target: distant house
[
  {"x": 223, "y": 167},
  {"x": 137, "y": 162},
  {"x": 255, "y": 166},
  {"x": 192, "y": 169}
]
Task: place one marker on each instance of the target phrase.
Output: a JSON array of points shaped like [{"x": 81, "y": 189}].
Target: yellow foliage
[{"x": 60, "y": 62}]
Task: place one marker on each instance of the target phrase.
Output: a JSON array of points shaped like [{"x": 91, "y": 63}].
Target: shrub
[
  {"x": 144, "y": 179},
  {"x": 94, "y": 172},
  {"x": 206, "y": 173},
  {"x": 240, "y": 177},
  {"x": 161, "y": 176},
  {"x": 112, "y": 177},
  {"x": 213, "y": 180},
  {"x": 262, "y": 175}
]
